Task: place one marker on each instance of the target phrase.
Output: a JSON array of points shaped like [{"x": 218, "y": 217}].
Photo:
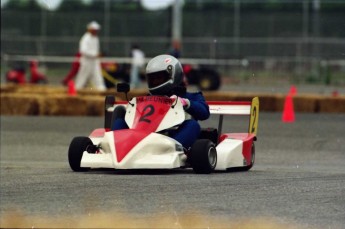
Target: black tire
[
  {"x": 119, "y": 112},
  {"x": 203, "y": 156},
  {"x": 109, "y": 102},
  {"x": 209, "y": 80},
  {"x": 75, "y": 152},
  {"x": 193, "y": 77}
]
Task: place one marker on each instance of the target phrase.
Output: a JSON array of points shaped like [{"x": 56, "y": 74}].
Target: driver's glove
[{"x": 185, "y": 102}]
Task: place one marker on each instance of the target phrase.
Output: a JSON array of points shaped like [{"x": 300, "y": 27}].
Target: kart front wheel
[
  {"x": 75, "y": 152},
  {"x": 203, "y": 156}
]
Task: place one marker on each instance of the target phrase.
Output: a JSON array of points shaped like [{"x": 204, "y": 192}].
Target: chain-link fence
[{"x": 301, "y": 39}]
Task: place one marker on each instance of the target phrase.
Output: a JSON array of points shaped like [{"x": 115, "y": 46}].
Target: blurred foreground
[{"x": 114, "y": 219}]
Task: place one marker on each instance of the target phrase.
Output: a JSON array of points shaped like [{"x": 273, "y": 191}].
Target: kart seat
[{"x": 209, "y": 133}]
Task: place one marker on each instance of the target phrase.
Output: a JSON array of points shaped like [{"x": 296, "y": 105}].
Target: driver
[{"x": 164, "y": 75}]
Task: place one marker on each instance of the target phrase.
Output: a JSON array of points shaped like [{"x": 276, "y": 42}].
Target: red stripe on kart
[{"x": 125, "y": 140}]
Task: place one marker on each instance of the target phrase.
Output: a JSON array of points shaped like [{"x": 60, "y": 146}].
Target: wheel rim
[
  {"x": 205, "y": 83},
  {"x": 212, "y": 157}
]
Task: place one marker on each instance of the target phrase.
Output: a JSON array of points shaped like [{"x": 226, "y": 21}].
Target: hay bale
[
  {"x": 306, "y": 103},
  {"x": 30, "y": 99},
  {"x": 40, "y": 89},
  {"x": 269, "y": 102},
  {"x": 8, "y": 88},
  {"x": 63, "y": 105},
  {"x": 332, "y": 104},
  {"x": 17, "y": 104},
  {"x": 95, "y": 105},
  {"x": 302, "y": 103},
  {"x": 89, "y": 92}
]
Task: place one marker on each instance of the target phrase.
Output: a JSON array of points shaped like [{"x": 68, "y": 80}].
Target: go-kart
[{"x": 145, "y": 144}]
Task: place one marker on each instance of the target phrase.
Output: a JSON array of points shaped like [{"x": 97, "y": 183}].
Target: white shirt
[
  {"x": 138, "y": 57},
  {"x": 89, "y": 45}
]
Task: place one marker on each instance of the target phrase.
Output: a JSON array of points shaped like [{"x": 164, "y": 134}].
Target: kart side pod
[{"x": 236, "y": 151}]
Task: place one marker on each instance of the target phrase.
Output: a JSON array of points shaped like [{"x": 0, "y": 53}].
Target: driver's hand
[{"x": 185, "y": 102}]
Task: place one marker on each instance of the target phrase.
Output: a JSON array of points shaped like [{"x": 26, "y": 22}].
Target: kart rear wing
[{"x": 237, "y": 108}]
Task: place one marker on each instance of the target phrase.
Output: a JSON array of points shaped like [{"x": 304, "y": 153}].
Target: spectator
[
  {"x": 73, "y": 71},
  {"x": 138, "y": 61},
  {"x": 175, "y": 50},
  {"x": 36, "y": 76},
  {"x": 90, "y": 66}
]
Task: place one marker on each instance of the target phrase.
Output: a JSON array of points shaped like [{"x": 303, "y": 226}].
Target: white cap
[{"x": 93, "y": 25}]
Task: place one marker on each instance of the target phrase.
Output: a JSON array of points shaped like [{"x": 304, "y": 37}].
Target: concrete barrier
[{"x": 54, "y": 100}]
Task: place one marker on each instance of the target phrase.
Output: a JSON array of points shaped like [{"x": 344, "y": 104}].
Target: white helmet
[{"x": 163, "y": 74}]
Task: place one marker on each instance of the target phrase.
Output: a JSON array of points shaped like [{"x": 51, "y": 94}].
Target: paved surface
[{"x": 298, "y": 179}]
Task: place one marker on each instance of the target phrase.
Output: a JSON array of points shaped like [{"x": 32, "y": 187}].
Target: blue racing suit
[{"x": 188, "y": 132}]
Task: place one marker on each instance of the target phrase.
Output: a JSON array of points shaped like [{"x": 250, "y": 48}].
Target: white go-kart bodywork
[
  {"x": 145, "y": 145},
  {"x": 136, "y": 148}
]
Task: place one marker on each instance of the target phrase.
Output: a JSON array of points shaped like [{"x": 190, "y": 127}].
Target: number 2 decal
[
  {"x": 254, "y": 116},
  {"x": 253, "y": 124},
  {"x": 148, "y": 111}
]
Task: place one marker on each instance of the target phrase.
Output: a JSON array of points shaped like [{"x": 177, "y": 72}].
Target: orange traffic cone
[
  {"x": 71, "y": 88},
  {"x": 288, "y": 112},
  {"x": 293, "y": 90}
]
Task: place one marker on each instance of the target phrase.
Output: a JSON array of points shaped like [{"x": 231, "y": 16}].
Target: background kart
[
  {"x": 204, "y": 77},
  {"x": 146, "y": 146}
]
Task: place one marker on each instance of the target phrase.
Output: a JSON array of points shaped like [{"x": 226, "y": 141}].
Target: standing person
[
  {"x": 165, "y": 76},
  {"x": 90, "y": 66},
  {"x": 73, "y": 71},
  {"x": 175, "y": 50},
  {"x": 138, "y": 61}
]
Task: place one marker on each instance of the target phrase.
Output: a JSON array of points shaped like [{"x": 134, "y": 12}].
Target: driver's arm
[{"x": 198, "y": 107}]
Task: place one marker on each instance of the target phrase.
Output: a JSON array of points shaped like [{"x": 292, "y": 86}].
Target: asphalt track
[{"x": 298, "y": 178}]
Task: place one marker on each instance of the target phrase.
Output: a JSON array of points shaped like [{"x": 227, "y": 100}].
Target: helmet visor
[{"x": 157, "y": 78}]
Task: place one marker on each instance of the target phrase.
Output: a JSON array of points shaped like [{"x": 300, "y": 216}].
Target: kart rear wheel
[
  {"x": 203, "y": 156},
  {"x": 75, "y": 152}
]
